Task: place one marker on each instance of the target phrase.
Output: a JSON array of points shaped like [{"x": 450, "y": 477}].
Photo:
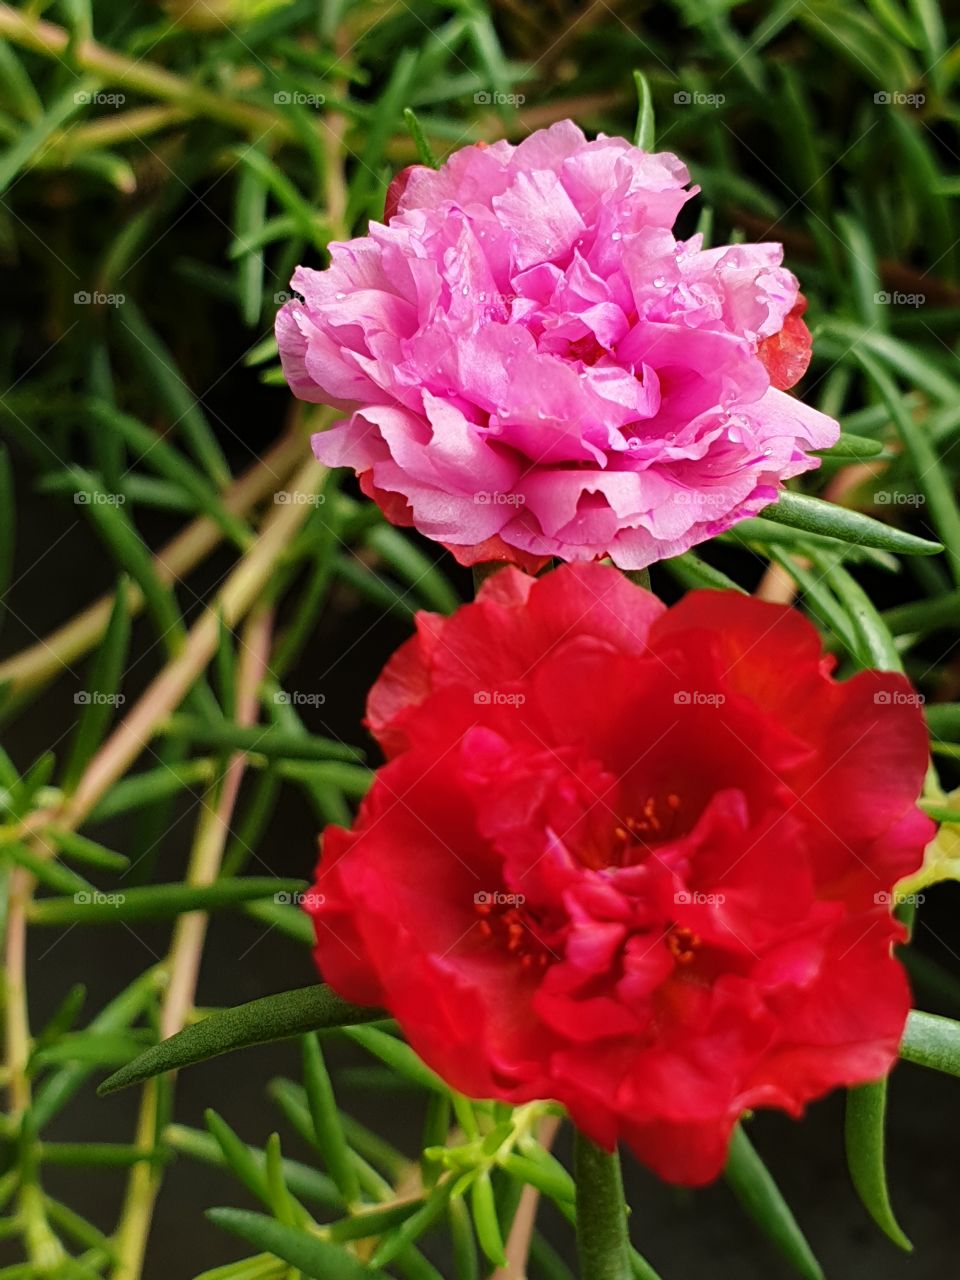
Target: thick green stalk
[{"x": 603, "y": 1246}]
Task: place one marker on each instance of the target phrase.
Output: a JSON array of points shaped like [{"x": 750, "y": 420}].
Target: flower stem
[
  {"x": 241, "y": 590},
  {"x": 139, "y": 75},
  {"x": 603, "y": 1246},
  {"x": 43, "y": 661},
  {"x": 186, "y": 950},
  {"x": 639, "y": 577},
  {"x": 517, "y": 1247}
]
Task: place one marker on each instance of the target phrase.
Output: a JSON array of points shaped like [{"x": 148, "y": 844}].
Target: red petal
[
  {"x": 786, "y": 355},
  {"x": 393, "y": 505},
  {"x": 398, "y": 185},
  {"x": 495, "y": 549}
]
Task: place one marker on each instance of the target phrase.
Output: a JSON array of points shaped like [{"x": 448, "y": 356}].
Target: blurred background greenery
[{"x": 163, "y": 168}]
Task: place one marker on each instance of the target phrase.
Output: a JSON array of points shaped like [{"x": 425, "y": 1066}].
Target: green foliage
[
  {"x": 260, "y": 1021},
  {"x": 865, "y": 1119},
  {"x": 756, "y": 1190}
]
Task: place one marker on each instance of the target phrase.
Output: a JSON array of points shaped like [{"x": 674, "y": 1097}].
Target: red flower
[{"x": 635, "y": 859}]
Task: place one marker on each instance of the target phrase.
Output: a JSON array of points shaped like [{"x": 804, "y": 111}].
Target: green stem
[
  {"x": 603, "y": 1246},
  {"x": 38, "y": 665},
  {"x": 186, "y": 948},
  {"x": 139, "y": 75}
]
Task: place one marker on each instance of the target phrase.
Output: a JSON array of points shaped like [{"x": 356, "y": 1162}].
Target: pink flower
[
  {"x": 639, "y": 860},
  {"x": 535, "y": 366}
]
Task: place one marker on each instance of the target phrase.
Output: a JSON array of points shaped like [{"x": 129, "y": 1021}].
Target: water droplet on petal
[
  {"x": 659, "y": 282},
  {"x": 616, "y": 235},
  {"x": 340, "y": 297}
]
